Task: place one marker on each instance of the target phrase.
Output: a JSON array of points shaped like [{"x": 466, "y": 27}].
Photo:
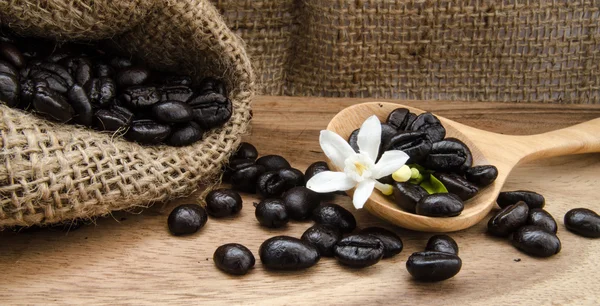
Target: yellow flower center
[{"x": 360, "y": 167}]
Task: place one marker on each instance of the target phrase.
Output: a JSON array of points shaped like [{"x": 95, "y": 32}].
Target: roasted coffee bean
[
  {"x": 398, "y": 118},
  {"x": 211, "y": 85},
  {"x": 449, "y": 156},
  {"x": 59, "y": 71},
  {"x": 10, "y": 89},
  {"x": 482, "y": 175},
  {"x": 101, "y": 91},
  {"x": 535, "y": 241},
  {"x": 223, "y": 203},
  {"x": 271, "y": 213},
  {"x": 387, "y": 133},
  {"x": 335, "y": 216},
  {"x": 55, "y": 82},
  {"x": 175, "y": 93},
  {"x": 274, "y": 183},
  {"x": 120, "y": 62},
  {"x": 7, "y": 68},
  {"x": 508, "y": 220},
  {"x": 287, "y": 253},
  {"x": 323, "y": 237},
  {"x": 440, "y": 205},
  {"x": 211, "y": 110},
  {"x": 429, "y": 124},
  {"x": 442, "y": 243},
  {"x": 51, "y": 104},
  {"x": 415, "y": 144},
  {"x": 27, "y": 91},
  {"x": 533, "y": 199},
  {"x": 233, "y": 166},
  {"x": 407, "y": 195},
  {"x": 234, "y": 258},
  {"x": 273, "y": 162},
  {"x": 300, "y": 202},
  {"x": 583, "y": 222},
  {"x": 312, "y": 170},
  {"x": 10, "y": 53},
  {"x": 186, "y": 134},
  {"x": 245, "y": 178},
  {"x": 132, "y": 76},
  {"x": 80, "y": 102},
  {"x": 469, "y": 155},
  {"x": 140, "y": 96},
  {"x": 353, "y": 140},
  {"x": 432, "y": 266},
  {"x": 246, "y": 151},
  {"x": 392, "y": 244},
  {"x": 112, "y": 119},
  {"x": 148, "y": 131},
  {"x": 542, "y": 219},
  {"x": 457, "y": 185},
  {"x": 359, "y": 251},
  {"x": 80, "y": 68},
  {"x": 174, "y": 80},
  {"x": 103, "y": 70},
  {"x": 186, "y": 219},
  {"x": 172, "y": 112}
]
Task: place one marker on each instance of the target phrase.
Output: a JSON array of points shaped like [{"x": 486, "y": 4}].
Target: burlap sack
[
  {"x": 474, "y": 50},
  {"x": 52, "y": 172}
]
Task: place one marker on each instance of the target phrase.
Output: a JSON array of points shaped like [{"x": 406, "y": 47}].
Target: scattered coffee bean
[
  {"x": 432, "y": 266},
  {"x": 222, "y": 203},
  {"x": 542, "y": 219},
  {"x": 185, "y": 134},
  {"x": 392, "y": 244},
  {"x": 407, "y": 195},
  {"x": 440, "y": 205},
  {"x": 314, "y": 168},
  {"x": 535, "y": 241},
  {"x": 442, "y": 243},
  {"x": 273, "y": 162},
  {"x": 323, "y": 237},
  {"x": 275, "y": 183},
  {"x": 271, "y": 213},
  {"x": 335, "y": 216},
  {"x": 187, "y": 219},
  {"x": 234, "y": 258},
  {"x": 457, "y": 185},
  {"x": 429, "y": 124},
  {"x": 532, "y": 199},
  {"x": 246, "y": 151},
  {"x": 234, "y": 165},
  {"x": 583, "y": 222},
  {"x": 508, "y": 220},
  {"x": 482, "y": 175},
  {"x": 245, "y": 178},
  {"x": 300, "y": 202},
  {"x": 287, "y": 253},
  {"x": 359, "y": 251}
]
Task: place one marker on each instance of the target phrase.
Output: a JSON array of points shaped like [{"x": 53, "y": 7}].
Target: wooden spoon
[{"x": 502, "y": 151}]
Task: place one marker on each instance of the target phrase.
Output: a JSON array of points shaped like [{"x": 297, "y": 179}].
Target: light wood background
[{"x": 132, "y": 259}]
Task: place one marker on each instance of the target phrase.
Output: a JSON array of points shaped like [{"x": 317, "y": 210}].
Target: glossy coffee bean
[
  {"x": 103, "y": 70},
  {"x": 442, "y": 243},
  {"x": 234, "y": 258},
  {"x": 10, "y": 89},
  {"x": 55, "y": 82},
  {"x": 11, "y": 54},
  {"x": 440, "y": 205},
  {"x": 211, "y": 110},
  {"x": 172, "y": 112},
  {"x": 432, "y": 266},
  {"x": 287, "y": 253},
  {"x": 482, "y": 176},
  {"x": 273, "y": 162},
  {"x": 392, "y": 244},
  {"x": 271, "y": 213},
  {"x": 275, "y": 183},
  {"x": 52, "y": 104},
  {"x": 415, "y": 144},
  {"x": 28, "y": 87},
  {"x": 584, "y": 222},
  {"x": 535, "y": 241},
  {"x": 120, "y": 62},
  {"x": 84, "y": 114},
  {"x": 323, "y": 237},
  {"x": 457, "y": 185},
  {"x": 508, "y": 220},
  {"x": 132, "y": 76},
  {"x": 300, "y": 202},
  {"x": 234, "y": 165},
  {"x": 186, "y": 219},
  {"x": 387, "y": 133},
  {"x": 80, "y": 68},
  {"x": 101, "y": 91},
  {"x": 140, "y": 97},
  {"x": 335, "y": 216},
  {"x": 398, "y": 118},
  {"x": 112, "y": 119},
  {"x": 148, "y": 131},
  {"x": 359, "y": 251},
  {"x": 407, "y": 195},
  {"x": 7, "y": 68},
  {"x": 353, "y": 140},
  {"x": 245, "y": 178},
  {"x": 430, "y": 125},
  {"x": 174, "y": 80},
  {"x": 223, "y": 203},
  {"x": 314, "y": 168},
  {"x": 542, "y": 219},
  {"x": 59, "y": 71},
  {"x": 533, "y": 199},
  {"x": 175, "y": 93},
  {"x": 185, "y": 134},
  {"x": 448, "y": 156},
  {"x": 246, "y": 151},
  {"x": 211, "y": 85}
]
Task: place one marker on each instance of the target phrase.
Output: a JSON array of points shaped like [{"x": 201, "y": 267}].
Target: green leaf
[{"x": 433, "y": 185}]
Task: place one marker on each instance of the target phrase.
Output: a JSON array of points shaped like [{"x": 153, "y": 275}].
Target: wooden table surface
[{"x": 132, "y": 259}]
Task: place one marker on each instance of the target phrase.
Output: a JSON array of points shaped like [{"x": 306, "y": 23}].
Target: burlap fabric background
[
  {"x": 52, "y": 172},
  {"x": 475, "y": 50}
]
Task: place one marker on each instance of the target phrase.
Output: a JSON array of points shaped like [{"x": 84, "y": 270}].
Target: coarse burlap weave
[
  {"x": 474, "y": 50},
  {"x": 53, "y": 172}
]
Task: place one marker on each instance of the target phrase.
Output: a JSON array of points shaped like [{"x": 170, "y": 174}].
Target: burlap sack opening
[{"x": 52, "y": 172}]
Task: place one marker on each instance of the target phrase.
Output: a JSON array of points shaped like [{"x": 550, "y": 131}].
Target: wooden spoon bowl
[{"x": 502, "y": 151}]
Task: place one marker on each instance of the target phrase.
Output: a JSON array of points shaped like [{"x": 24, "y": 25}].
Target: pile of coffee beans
[
  {"x": 438, "y": 262},
  {"x": 91, "y": 86},
  {"x": 443, "y": 162}
]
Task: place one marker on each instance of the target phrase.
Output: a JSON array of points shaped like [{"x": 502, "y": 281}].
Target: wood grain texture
[{"x": 132, "y": 259}]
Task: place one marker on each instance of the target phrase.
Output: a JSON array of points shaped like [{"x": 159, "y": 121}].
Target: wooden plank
[{"x": 132, "y": 259}]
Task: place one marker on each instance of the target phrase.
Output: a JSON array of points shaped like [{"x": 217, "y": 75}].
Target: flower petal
[
  {"x": 389, "y": 162},
  {"x": 362, "y": 193},
  {"x": 369, "y": 137},
  {"x": 335, "y": 147},
  {"x": 329, "y": 181}
]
